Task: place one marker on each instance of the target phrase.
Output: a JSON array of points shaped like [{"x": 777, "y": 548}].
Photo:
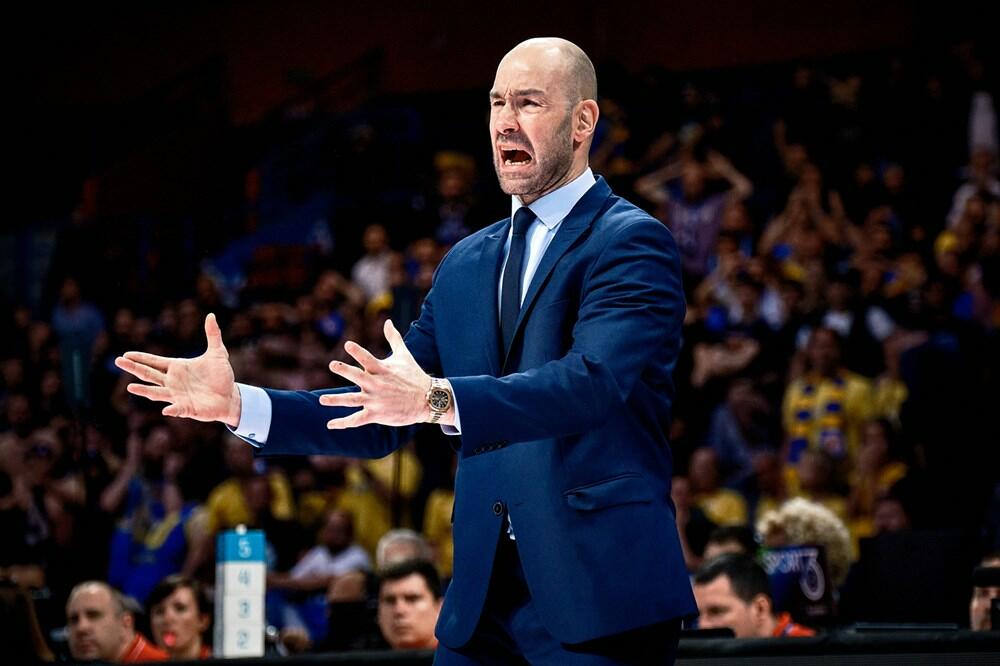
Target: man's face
[
  {"x": 336, "y": 532},
  {"x": 767, "y": 469},
  {"x": 719, "y": 607},
  {"x": 693, "y": 180},
  {"x": 704, "y": 470},
  {"x": 374, "y": 239},
  {"x": 531, "y": 119},
  {"x": 257, "y": 493},
  {"x": 407, "y": 613},
  {"x": 97, "y": 630},
  {"x": 814, "y": 473},
  {"x": 890, "y": 516},
  {"x": 824, "y": 352}
]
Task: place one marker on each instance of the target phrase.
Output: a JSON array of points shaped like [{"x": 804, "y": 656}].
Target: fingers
[
  {"x": 152, "y": 360},
  {"x": 157, "y": 393},
  {"x": 354, "y": 420},
  {"x": 362, "y": 356},
  {"x": 351, "y": 399},
  {"x": 395, "y": 340},
  {"x": 213, "y": 333},
  {"x": 350, "y": 373},
  {"x": 173, "y": 410},
  {"x": 144, "y": 372}
]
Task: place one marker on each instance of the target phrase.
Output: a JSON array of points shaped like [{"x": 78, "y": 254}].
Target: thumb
[
  {"x": 214, "y": 334},
  {"x": 396, "y": 340}
]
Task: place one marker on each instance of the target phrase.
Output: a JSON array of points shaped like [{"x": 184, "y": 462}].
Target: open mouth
[{"x": 515, "y": 156}]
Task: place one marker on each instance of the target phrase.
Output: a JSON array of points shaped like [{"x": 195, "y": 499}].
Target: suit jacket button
[{"x": 498, "y": 508}]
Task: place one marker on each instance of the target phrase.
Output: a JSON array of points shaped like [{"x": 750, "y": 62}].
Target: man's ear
[
  {"x": 760, "y": 607},
  {"x": 128, "y": 620},
  {"x": 585, "y": 120}
]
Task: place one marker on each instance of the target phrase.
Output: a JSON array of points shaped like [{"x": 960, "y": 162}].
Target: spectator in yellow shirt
[
  {"x": 827, "y": 407},
  {"x": 815, "y": 476},
  {"x": 232, "y": 502},
  {"x": 877, "y": 471},
  {"x": 252, "y": 491},
  {"x": 722, "y": 505},
  {"x": 377, "y": 494}
]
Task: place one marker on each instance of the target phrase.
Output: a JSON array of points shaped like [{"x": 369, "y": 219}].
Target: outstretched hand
[
  {"x": 201, "y": 388},
  {"x": 392, "y": 392}
]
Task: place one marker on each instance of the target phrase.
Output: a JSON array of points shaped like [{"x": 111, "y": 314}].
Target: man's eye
[{"x": 496, "y": 102}]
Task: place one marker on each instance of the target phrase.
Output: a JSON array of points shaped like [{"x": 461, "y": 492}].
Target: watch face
[{"x": 439, "y": 400}]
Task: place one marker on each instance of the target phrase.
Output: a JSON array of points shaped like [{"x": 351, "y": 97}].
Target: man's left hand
[{"x": 393, "y": 391}]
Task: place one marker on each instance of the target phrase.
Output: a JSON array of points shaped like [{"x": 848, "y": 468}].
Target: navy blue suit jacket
[{"x": 568, "y": 433}]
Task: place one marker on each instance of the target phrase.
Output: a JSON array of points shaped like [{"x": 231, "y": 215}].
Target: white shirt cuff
[
  {"x": 457, "y": 428},
  {"x": 255, "y": 415}
]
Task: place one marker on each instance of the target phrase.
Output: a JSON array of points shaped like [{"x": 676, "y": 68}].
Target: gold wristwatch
[{"x": 439, "y": 399}]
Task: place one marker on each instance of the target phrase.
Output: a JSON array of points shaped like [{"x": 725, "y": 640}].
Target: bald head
[
  {"x": 575, "y": 68},
  {"x": 115, "y": 598},
  {"x": 100, "y": 626},
  {"x": 543, "y": 113}
]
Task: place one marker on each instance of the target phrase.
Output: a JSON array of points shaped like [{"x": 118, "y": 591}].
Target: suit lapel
[
  {"x": 572, "y": 227},
  {"x": 487, "y": 281}
]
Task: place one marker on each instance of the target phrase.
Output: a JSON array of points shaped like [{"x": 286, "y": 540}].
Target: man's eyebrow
[{"x": 517, "y": 93}]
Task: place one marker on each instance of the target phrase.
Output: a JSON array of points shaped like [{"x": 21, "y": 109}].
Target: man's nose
[{"x": 506, "y": 119}]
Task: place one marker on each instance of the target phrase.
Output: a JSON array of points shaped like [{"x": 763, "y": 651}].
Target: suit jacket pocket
[{"x": 625, "y": 488}]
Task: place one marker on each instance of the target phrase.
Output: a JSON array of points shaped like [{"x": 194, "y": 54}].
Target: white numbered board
[
  {"x": 239, "y": 594},
  {"x": 241, "y": 641},
  {"x": 241, "y": 578}
]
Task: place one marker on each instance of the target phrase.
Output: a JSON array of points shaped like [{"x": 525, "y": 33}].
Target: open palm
[{"x": 201, "y": 388}]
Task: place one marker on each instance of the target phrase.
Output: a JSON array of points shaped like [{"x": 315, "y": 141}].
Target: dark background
[{"x": 163, "y": 89}]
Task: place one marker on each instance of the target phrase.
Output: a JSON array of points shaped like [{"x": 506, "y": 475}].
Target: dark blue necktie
[{"x": 510, "y": 289}]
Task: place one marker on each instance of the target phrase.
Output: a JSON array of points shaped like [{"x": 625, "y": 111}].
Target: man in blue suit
[{"x": 546, "y": 346}]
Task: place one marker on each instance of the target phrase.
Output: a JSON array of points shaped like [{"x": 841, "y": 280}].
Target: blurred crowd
[{"x": 839, "y": 228}]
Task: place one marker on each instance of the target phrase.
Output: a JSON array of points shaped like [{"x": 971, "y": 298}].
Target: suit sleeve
[
  {"x": 630, "y": 316},
  {"x": 298, "y": 421}
]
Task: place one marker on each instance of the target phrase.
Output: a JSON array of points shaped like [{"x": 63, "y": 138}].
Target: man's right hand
[{"x": 201, "y": 388}]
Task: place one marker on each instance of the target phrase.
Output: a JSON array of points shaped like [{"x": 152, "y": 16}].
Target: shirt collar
[{"x": 552, "y": 208}]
